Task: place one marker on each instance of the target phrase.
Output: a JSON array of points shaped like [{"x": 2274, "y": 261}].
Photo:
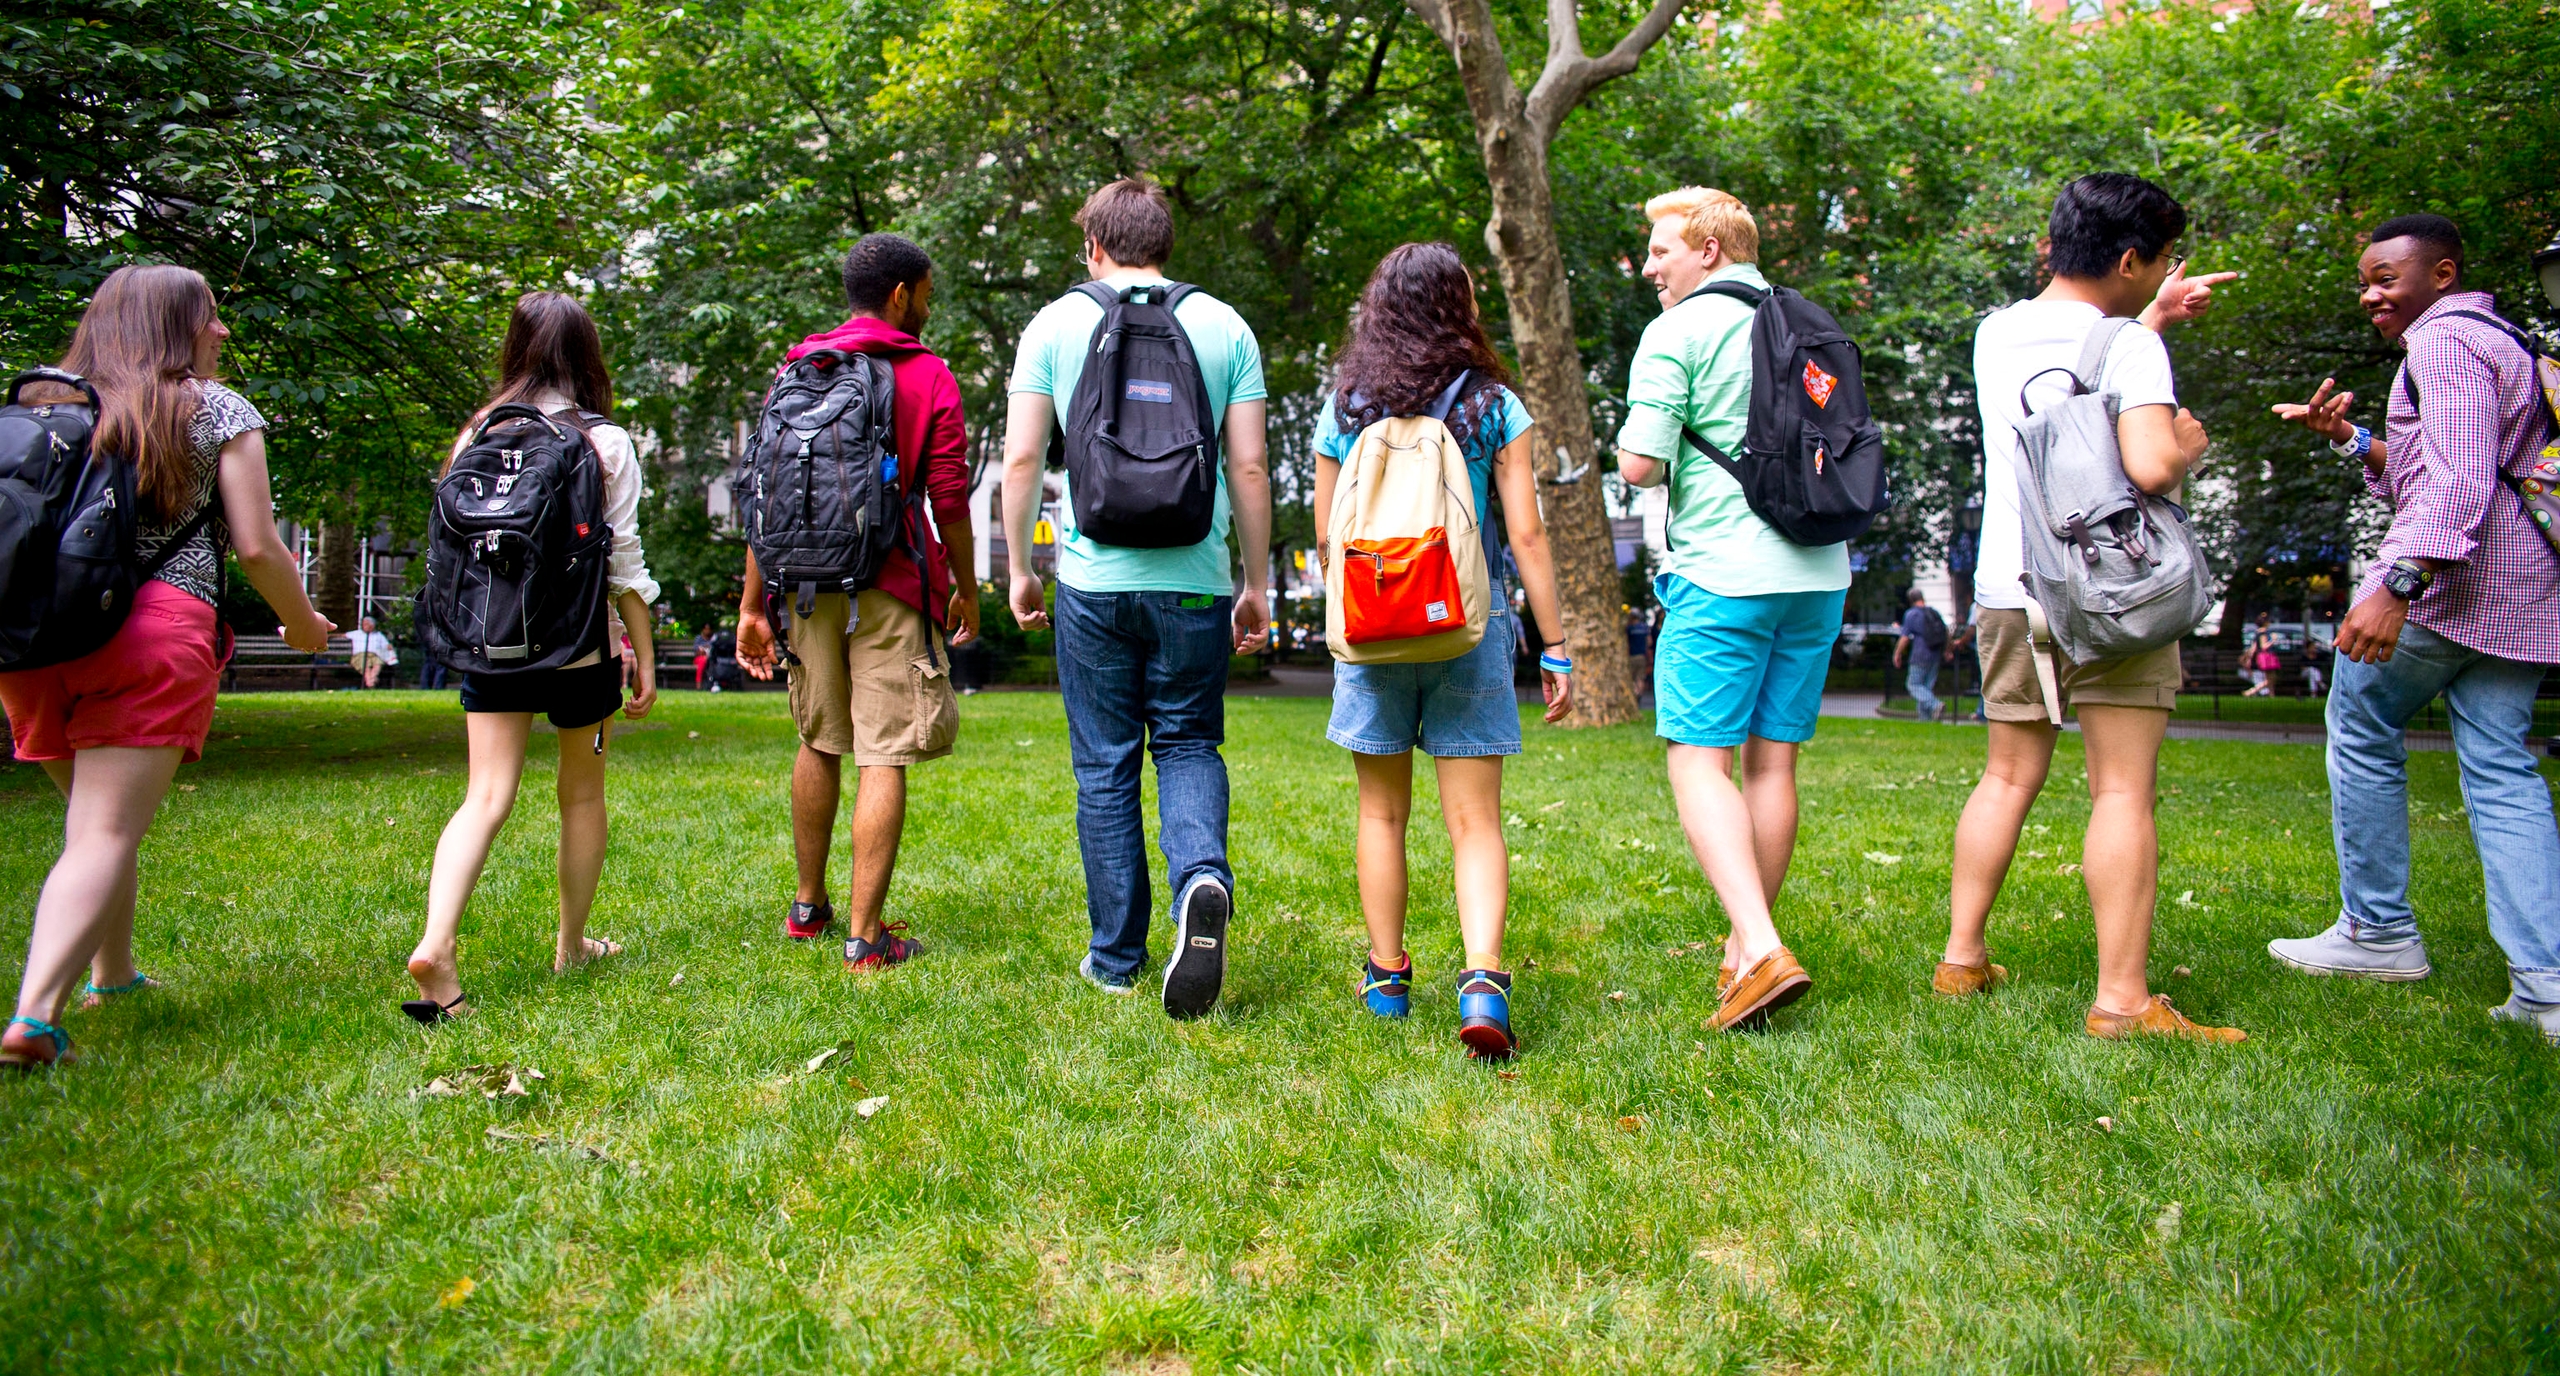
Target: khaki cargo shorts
[
  {"x": 2011, "y": 691},
  {"x": 882, "y": 694}
]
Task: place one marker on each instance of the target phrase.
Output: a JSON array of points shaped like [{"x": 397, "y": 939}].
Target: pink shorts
[{"x": 151, "y": 686}]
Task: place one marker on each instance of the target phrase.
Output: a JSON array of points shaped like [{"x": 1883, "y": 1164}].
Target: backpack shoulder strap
[
  {"x": 1448, "y": 397},
  {"x": 1099, "y": 294},
  {"x": 1743, "y": 292},
  {"x": 2093, "y": 351}
]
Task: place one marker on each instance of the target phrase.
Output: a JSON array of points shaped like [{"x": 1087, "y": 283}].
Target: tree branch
[
  {"x": 1466, "y": 26},
  {"x": 1570, "y": 76}
]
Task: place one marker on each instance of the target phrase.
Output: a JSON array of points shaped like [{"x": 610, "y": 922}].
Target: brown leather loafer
[
  {"x": 1956, "y": 981},
  {"x": 1772, "y": 983},
  {"x": 2157, "y": 1019}
]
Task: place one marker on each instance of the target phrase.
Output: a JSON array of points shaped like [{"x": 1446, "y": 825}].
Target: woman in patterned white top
[
  {"x": 112, "y": 726},
  {"x": 554, "y": 360}
]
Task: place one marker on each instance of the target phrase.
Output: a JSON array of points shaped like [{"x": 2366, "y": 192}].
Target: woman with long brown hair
[
  {"x": 1415, "y": 340},
  {"x": 112, "y": 727},
  {"x": 553, "y": 360}
]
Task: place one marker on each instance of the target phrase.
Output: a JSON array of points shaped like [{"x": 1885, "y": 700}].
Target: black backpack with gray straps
[
  {"x": 1138, "y": 440},
  {"x": 819, "y": 494},
  {"x": 517, "y": 545}
]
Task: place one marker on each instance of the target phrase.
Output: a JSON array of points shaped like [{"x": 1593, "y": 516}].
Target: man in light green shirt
[
  {"x": 1144, "y": 635},
  {"x": 1749, "y": 617}
]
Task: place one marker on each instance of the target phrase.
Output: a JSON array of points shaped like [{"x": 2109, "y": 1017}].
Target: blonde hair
[{"x": 1706, "y": 213}]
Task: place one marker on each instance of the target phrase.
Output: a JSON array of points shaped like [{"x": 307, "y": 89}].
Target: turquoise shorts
[{"x": 1731, "y": 667}]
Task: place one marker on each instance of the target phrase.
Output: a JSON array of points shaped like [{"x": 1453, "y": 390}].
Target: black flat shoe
[{"x": 428, "y": 1012}]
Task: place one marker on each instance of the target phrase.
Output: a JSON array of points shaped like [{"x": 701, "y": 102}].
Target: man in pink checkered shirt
[{"x": 2463, "y": 599}]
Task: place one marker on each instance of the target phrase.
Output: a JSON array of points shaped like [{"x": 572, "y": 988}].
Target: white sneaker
[
  {"x": 2545, "y": 1016},
  {"x": 2334, "y": 952}
]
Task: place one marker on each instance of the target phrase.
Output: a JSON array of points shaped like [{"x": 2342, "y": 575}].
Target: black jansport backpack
[
  {"x": 68, "y": 518},
  {"x": 517, "y": 546},
  {"x": 819, "y": 494},
  {"x": 1812, "y": 461},
  {"x": 1137, "y": 436}
]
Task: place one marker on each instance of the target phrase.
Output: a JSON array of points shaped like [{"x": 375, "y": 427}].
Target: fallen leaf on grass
[
  {"x": 541, "y": 1141},
  {"x": 1506, "y": 1074},
  {"x": 186, "y": 788},
  {"x": 1022, "y": 742},
  {"x": 819, "y": 1062},
  {"x": 1553, "y": 806},
  {"x": 2072, "y": 867},
  {"x": 2169, "y": 1221},
  {"x": 1631, "y": 1123},
  {"x": 1617, "y": 996},
  {"x": 693, "y": 735},
  {"x": 2106, "y": 1124},
  {"x": 2182, "y": 972},
  {"x": 1635, "y": 843},
  {"x": 679, "y": 979},
  {"x": 490, "y": 1080},
  {"x": 461, "y": 1291},
  {"x": 872, "y": 1105},
  {"x": 1879, "y": 857}
]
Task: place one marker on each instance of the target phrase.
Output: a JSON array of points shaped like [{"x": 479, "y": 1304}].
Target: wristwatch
[{"x": 2406, "y": 579}]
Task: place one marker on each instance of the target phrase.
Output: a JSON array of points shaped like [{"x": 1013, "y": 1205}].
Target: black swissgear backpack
[
  {"x": 1137, "y": 437},
  {"x": 1812, "y": 462},
  {"x": 68, "y": 521},
  {"x": 517, "y": 545},
  {"x": 820, "y": 494}
]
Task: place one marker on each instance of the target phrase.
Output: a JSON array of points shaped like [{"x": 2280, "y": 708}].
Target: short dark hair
[
  {"x": 2434, "y": 234},
  {"x": 1915, "y": 597},
  {"x": 1131, "y": 220},
  {"x": 880, "y": 264},
  {"x": 2098, "y": 217}
]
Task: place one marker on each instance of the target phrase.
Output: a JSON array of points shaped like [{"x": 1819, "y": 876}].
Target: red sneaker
[
  {"x": 808, "y": 921},
  {"x": 890, "y": 949}
]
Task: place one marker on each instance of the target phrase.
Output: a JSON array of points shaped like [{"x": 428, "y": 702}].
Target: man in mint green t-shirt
[
  {"x": 1144, "y": 635},
  {"x": 1749, "y": 617}
]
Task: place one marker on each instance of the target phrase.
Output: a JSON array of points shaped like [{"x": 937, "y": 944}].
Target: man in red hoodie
[{"x": 882, "y": 691}]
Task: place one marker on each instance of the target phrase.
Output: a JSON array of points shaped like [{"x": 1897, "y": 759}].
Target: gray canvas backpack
[{"x": 2114, "y": 570}]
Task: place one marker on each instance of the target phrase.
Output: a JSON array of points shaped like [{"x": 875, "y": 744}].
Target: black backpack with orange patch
[{"x": 1812, "y": 461}]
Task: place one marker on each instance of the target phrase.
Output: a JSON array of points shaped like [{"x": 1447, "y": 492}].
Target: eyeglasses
[{"x": 2176, "y": 262}]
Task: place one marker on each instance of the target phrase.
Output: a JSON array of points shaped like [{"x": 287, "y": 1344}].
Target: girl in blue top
[{"x": 1415, "y": 331}]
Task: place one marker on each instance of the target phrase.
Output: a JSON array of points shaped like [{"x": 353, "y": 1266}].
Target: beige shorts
[
  {"x": 2012, "y": 692},
  {"x": 882, "y": 694}
]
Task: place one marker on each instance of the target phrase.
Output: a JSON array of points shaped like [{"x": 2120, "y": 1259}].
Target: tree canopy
[{"x": 368, "y": 182}]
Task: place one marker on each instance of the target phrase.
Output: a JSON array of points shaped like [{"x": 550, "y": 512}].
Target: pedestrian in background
[
  {"x": 369, "y": 650},
  {"x": 1924, "y": 645}
]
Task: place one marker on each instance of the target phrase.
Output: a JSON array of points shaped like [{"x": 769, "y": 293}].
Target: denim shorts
[
  {"x": 1730, "y": 667},
  {"x": 1453, "y": 709}
]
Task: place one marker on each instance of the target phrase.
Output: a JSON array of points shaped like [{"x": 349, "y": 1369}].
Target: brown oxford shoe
[
  {"x": 2157, "y": 1019},
  {"x": 1957, "y": 981},
  {"x": 1773, "y": 982}
]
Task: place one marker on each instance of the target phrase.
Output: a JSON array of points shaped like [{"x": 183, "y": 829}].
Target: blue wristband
[
  {"x": 1554, "y": 663},
  {"x": 2357, "y": 447}
]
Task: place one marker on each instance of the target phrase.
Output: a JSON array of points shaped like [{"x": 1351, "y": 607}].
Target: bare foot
[
  {"x": 439, "y": 980},
  {"x": 595, "y": 948}
]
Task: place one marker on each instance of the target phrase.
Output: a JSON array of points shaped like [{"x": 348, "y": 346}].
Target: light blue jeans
[
  {"x": 2490, "y": 701},
  {"x": 1922, "y": 679}
]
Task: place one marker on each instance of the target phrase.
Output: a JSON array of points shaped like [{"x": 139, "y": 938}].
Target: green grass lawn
[{"x": 240, "y": 1178}]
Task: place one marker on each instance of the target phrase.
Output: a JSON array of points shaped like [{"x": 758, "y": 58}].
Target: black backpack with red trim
[{"x": 1812, "y": 461}]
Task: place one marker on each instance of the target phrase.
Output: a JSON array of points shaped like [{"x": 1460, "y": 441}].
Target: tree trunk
[
  {"x": 1513, "y": 132},
  {"x": 1522, "y": 236},
  {"x": 335, "y": 595}
]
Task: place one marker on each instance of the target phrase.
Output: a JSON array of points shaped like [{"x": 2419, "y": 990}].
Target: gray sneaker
[
  {"x": 2333, "y": 952},
  {"x": 2545, "y": 1016},
  {"x": 1104, "y": 980}
]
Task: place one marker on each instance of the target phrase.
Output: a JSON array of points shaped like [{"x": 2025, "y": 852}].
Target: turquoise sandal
[
  {"x": 19, "y": 1054},
  {"x": 91, "y": 995}
]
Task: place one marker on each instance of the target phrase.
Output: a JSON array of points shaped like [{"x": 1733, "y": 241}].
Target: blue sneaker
[
  {"x": 1484, "y": 1014},
  {"x": 1389, "y": 993},
  {"x": 1104, "y": 980}
]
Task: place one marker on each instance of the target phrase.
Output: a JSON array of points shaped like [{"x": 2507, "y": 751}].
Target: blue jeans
[
  {"x": 1923, "y": 678},
  {"x": 2491, "y": 703},
  {"x": 1144, "y": 671}
]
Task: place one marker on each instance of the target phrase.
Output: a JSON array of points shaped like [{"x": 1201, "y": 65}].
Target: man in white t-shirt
[{"x": 2111, "y": 235}]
